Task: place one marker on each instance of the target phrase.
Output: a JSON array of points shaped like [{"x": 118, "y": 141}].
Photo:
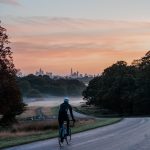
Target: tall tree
[
  {"x": 10, "y": 97},
  {"x": 113, "y": 89},
  {"x": 121, "y": 88},
  {"x": 142, "y": 94}
]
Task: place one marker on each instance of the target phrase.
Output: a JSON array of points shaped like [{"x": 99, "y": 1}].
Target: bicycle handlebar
[
  {"x": 70, "y": 121},
  {"x": 73, "y": 122}
]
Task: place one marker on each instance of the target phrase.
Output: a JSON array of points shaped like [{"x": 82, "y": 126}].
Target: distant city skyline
[
  {"x": 88, "y": 35},
  {"x": 71, "y": 74}
]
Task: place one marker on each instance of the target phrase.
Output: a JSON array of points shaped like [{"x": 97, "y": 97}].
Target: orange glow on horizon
[{"x": 85, "y": 45}]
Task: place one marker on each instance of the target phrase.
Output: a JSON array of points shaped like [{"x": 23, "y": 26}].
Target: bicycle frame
[
  {"x": 63, "y": 129},
  {"x": 63, "y": 133}
]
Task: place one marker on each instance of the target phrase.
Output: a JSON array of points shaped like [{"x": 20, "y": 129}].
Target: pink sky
[{"x": 89, "y": 46}]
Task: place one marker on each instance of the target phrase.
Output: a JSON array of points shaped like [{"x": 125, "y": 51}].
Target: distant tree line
[
  {"x": 36, "y": 86},
  {"x": 85, "y": 79},
  {"x": 122, "y": 88}
]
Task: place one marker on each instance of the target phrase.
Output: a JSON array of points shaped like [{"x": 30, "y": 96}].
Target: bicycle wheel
[
  {"x": 69, "y": 134},
  {"x": 61, "y": 137},
  {"x": 68, "y": 137},
  {"x": 60, "y": 142},
  {"x": 66, "y": 140}
]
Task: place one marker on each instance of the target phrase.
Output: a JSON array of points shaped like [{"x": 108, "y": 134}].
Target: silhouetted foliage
[
  {"x": 121, "y": 88},
  {"x": 36, "y": 86},
  {"x": 10, "y": 96}
]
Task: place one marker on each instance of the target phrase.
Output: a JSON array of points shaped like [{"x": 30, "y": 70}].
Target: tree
[
  {"x": 142, "y": 93},
  {"x": 121, "y": 88},
  {"x": 46, "y": 85},
  {"x": 113, "y": 89},
  {"x": 10, "y": 97}
]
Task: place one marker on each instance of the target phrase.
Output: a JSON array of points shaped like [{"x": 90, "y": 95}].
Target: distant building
[
  {"x": 50, "y": 74},
  {"x": 74, "y": 74},
  {"x": 58, "y": 77},
  {"x": 81, "y": 76},
  {"x": 78, "y": 75},
  {"x": 39, "y": 73},
  {"x": 85, "y": 75},
  {"x": 71, "y": 71}
]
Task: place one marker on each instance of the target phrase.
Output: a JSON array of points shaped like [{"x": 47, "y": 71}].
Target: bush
[{"x": 33, "y": 93}]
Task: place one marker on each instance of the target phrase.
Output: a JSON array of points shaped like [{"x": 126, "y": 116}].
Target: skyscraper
[{"x": 71, "y": 71}]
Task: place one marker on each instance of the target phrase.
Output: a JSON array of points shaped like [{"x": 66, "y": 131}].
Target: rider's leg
[
  {"x": 60, "y": 120},
  {"x": 68, "y": 123}
]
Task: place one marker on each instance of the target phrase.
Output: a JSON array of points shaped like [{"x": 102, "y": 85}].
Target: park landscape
[{"x": 110, "y": 100}]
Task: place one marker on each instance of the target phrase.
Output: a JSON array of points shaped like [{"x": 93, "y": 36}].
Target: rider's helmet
[{"x": 66, "y": 100}]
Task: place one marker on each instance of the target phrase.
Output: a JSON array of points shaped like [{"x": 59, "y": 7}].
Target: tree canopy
[
  {"x": 10, "y": 97},
  {"x": 122, "y": 88}
]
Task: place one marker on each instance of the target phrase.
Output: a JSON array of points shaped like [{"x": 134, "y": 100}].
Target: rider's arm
[{"x": 71, "y": 113}]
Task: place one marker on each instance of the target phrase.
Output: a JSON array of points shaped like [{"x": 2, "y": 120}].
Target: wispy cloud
[
  {"x": 51, "y": 43},
  {"x": 10, "y": 2}
]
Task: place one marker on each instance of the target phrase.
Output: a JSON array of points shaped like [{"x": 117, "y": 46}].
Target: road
[{"x": 129, "y": 134}]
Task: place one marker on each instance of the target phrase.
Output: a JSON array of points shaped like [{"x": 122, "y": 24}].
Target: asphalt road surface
[{"x": 129, "y": 134}]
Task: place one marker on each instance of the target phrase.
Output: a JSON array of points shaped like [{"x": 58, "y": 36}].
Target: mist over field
[{"x": 52, "y": 101}]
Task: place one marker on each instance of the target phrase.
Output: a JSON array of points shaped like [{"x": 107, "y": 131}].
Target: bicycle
[{"x": 63, "y": 133}]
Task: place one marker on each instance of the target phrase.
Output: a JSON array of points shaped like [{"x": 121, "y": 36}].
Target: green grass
[
  {"x": 98, "y": 123},
  {"x": 95, "y": 111},
  {"x": 80, "y": 126},
  {"x": 12, "y": 141}
]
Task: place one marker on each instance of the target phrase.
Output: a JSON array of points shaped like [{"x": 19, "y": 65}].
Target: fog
[{"x": 52, "y": 101}]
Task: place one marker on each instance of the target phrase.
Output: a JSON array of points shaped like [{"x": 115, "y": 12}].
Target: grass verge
[
  {"x": 95, "y": 111},
  {"x": 82, "y": 125},
  {"x": 35, "y": 131}
]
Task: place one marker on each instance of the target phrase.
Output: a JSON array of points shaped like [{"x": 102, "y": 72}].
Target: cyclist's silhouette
[{"x": 63, "y": 114}]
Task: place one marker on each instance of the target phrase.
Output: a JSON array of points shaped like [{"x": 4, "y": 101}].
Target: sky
[{"x": 86, "y": 35}]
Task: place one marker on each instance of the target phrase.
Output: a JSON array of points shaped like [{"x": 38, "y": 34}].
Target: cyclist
[{"x": 63, "y": 113}]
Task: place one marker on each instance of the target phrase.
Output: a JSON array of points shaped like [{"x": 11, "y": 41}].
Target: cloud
[
  {"x": 89, "y": 61},
  {"x": 10, "y": 2},
  {"x": 82, "y": 25},
  {"x": 90, "y": 45}
]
